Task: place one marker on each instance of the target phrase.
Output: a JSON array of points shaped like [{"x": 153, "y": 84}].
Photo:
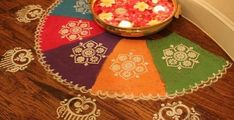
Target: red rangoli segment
[
  {"x": 139, "y": 13},
  {"x": 66, "y": 30}
]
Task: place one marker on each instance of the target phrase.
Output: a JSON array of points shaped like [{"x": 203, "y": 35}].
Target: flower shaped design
[
  {"x": 74, "y": 30},
  {"x": 180, "y": 56},
  {"x": 89, "y": 53},
  {"x": 141, "y": 6},
  {"x": 121, "y": 11},
  {"x": 107, "y": 3},
  {"x": 82, "y": 6},
  {"x": 155, "y": 1},
  {"x": 128, "y": 66},
  {"x": 106, "y": 16},
  {"x": 21, "y": 57}
]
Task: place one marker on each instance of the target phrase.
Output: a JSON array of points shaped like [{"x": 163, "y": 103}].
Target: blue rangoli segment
[{"x": 73, "y": 8}]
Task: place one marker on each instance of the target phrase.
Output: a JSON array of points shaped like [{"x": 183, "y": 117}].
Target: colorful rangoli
[{"x": 83, "y": 56}]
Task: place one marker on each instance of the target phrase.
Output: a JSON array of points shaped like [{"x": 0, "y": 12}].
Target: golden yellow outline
[{"x": 103, "y": 95}]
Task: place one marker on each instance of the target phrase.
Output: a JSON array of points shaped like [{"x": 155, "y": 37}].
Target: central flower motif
[
  {"x": 141, "y": 6},
  {"x": 89, "y": 53},
  {"x": 22, "y": 57},
  {"x": 129, "y": 66},
  {"x": 74, "y": 30},
  {"x": 121, "y": 11},
  {"x": 180, "y": 56},
  {"x": 106, "y": 16}
]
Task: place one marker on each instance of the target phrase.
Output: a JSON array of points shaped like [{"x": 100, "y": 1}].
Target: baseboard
[{"x": 212, "y": 22}]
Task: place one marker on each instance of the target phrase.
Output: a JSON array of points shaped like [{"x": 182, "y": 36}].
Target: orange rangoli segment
[{"x": 130, "y": 73}]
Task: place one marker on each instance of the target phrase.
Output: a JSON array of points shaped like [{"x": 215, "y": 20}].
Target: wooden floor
[{"x": 34, "y": 95}]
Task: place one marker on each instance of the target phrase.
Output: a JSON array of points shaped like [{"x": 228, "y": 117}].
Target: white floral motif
[
  {"x": 74, "y": 30},
  {"x": 82, "y": 6},
  {"x": 89, "y": 53},
  {"x": 180, "y": 56},
  {"x": 128, "y": 66}
]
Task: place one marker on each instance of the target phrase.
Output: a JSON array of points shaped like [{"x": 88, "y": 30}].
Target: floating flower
[
  {"x": 155, "y": 1},
  {"x": 159, "y": 8},
  {"x": 106, "y": 16},
  {"x": 125, "y": 24},
  {"x": 121, "y": 11},
  {"x": 141, "y": 6},
  {"x": 107, "y": 3}
]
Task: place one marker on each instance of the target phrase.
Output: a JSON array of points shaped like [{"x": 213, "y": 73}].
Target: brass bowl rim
[{"x": 175, "y": 4}]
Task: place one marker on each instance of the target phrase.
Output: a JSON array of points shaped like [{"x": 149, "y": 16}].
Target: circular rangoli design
[{"x": 83, "y": 56}]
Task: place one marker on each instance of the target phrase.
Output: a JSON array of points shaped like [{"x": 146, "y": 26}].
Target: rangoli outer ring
[{"x": 212, "y": 79}]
